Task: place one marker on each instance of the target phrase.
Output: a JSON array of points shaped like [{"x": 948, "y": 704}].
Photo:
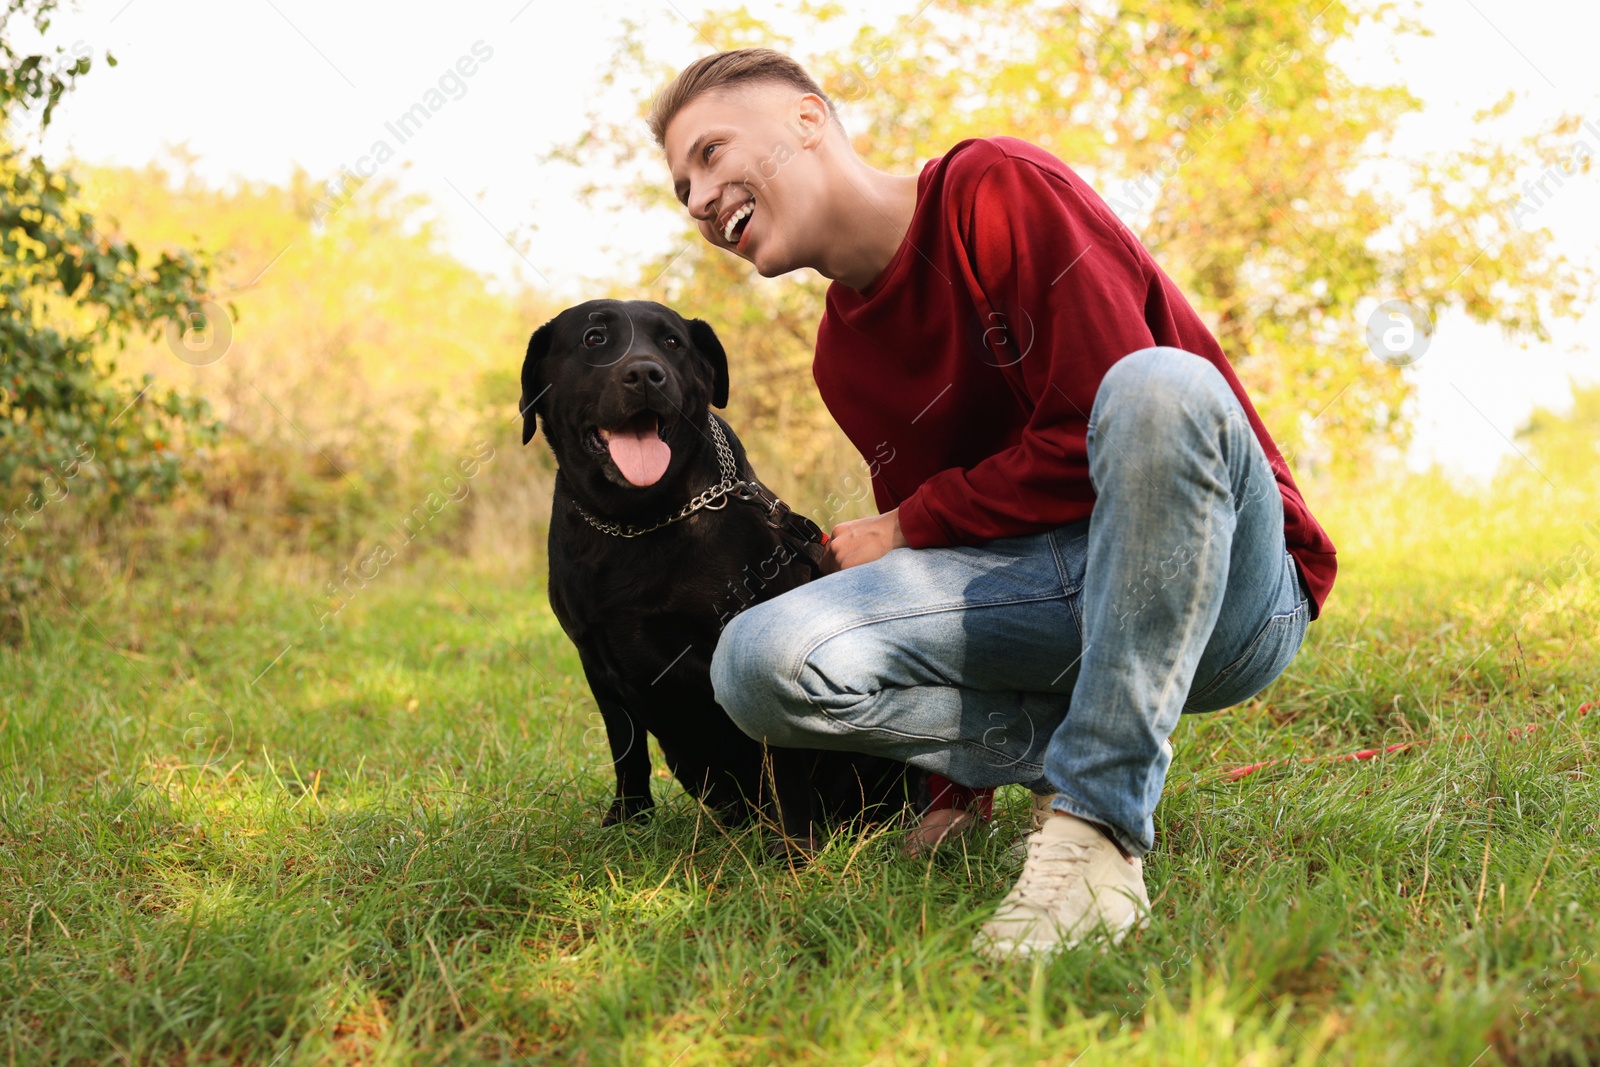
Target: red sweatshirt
[{"x": 965, "y": 372}]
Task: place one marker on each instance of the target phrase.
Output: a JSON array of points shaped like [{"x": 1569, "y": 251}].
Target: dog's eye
[
  {"x": 591, "y": 338},
  {"x": 672, "y": 343}
]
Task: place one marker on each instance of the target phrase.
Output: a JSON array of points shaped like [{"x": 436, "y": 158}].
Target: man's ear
[
  {"x": 706, "y": 343},
  {"x": 538, "y": 348}
]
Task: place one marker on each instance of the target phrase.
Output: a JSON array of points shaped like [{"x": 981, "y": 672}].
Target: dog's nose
[{"x": 644, "y": 372}]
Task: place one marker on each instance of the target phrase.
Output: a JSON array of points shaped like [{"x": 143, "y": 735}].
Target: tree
[
  {"x": 1261, "y": 178},
  {"x": 68, "y": 423}
]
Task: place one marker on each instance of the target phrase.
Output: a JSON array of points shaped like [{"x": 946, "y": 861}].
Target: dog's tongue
[{"x": 639, "y": 452}]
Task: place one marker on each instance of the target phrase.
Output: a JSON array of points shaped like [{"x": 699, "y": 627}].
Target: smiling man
[{"x": 1085, "y": 529}]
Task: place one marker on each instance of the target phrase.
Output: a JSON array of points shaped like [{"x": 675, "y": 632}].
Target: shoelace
[{"x": 1053, "y": 871}]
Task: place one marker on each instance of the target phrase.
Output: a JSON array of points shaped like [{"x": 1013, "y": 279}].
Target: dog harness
[{"x": 797, "y": 531}]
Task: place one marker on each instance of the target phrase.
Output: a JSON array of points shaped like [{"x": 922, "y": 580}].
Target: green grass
[{"x": 227, "y": 835}]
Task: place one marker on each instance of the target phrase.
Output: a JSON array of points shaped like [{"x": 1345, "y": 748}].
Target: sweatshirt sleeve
[{"x": 1061, "y": 291}]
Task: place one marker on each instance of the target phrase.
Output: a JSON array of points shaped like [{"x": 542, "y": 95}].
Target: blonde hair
[{"x": 722, "y": 70}]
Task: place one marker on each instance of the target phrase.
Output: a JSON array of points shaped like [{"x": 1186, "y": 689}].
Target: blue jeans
[{"x": 1059, "y": 660}]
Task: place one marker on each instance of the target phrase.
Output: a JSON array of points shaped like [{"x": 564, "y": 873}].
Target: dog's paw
[{"x": 628, "y": 809}]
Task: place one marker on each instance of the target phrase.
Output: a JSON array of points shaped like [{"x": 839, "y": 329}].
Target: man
[{"x": 1080, "y": 507}]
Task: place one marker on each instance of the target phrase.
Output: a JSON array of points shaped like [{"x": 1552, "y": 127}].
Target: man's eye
[
  {"x": 591, "y": 338},
  {"x": 705, "y": 153},
  {"x": 671, "y": 342}
]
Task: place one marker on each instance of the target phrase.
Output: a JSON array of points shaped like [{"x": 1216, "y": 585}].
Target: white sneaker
[{"x": 1074, "y": 883}]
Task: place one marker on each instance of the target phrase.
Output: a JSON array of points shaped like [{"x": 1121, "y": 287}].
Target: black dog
[{"x": 659, "y": 531}]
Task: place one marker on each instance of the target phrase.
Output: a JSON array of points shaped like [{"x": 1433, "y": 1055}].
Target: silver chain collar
[{"x": 727, "y": 466}]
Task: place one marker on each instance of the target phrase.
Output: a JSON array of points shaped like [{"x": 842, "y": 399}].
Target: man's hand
[{"x": 862, "y": 541}]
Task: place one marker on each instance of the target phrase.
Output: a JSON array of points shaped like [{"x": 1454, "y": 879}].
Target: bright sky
[{"x": 253, "y": 87}]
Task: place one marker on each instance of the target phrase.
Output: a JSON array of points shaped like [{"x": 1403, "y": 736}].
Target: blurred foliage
[
  {"x": 1566, "y": 445},
  {"x": 1225, "y": 134},
  {"x": 366, "y": 366},
  {"x": 34, "y": 82},
  {"x": 70, "y": 424},
  {"x": 365, "y": 380}
]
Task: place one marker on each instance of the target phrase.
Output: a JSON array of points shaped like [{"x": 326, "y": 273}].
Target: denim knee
[
  {"x": 1149, "y": 397},
  {"x": 746, "y": 673},
  {"x": 1167, "y": 382}
]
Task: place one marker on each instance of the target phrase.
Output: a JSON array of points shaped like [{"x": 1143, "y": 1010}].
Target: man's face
[{"x": 739, "y": 164}]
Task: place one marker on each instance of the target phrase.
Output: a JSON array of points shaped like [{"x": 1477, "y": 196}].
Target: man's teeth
[{"x": 734, "y": 219}]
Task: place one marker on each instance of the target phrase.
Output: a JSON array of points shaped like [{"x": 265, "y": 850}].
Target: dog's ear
[
  {"x": 538, "y": 348},
  {"x": 706, "y": 343}
]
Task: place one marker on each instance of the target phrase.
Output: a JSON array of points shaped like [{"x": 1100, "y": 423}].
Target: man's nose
[
  {"x": 702, "y": 204},
  {"x": 643, "y": 372}
]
